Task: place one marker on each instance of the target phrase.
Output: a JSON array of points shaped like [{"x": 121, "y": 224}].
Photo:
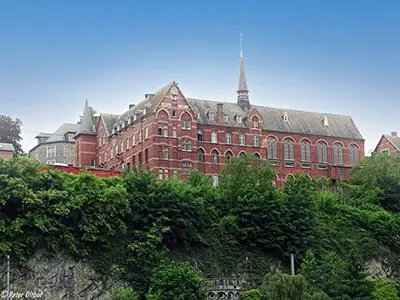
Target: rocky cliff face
[{"x": 57, "y": 278}]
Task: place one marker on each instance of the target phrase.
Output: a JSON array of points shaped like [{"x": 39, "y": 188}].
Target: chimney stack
[
  {"x": 148, "y": 96},
  {"x": 131, "y": 105},
  {"x": 220, "y": 114},
  {"x": 394, "y": 133}
]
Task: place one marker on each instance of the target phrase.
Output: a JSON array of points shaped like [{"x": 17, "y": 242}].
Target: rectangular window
[
  {"x": 255, "y": 141},
  {"x": 188, "y": 124},
  {"x": 183, "y": 124},
  {"x": 166, "y": 174},
  {"x": 127, "y": 143},
  {"x": 51, "y": 162},
  {"x": 122, "y": 147},
  {"x": 189, "y": 145},
  {"x": 66, "y": 151},
  {"x": 51, "y": 151},
  {"x": 160, "y": 174},
  {"x": 227, "y": 138},
  {"x": 165, "y": 131},
  {"x": 92, "y": 163},
  {"x": 214, "y": 138},
  {"x": 159, "y": 131},
  {"x": 242, "y": 140},
  {"x": 226, "y": 118},
  {"x": 165, "y": 153},
  {"x": 183, "y": 145},
  {"x": 140, "y": 136},
  {"x": 200, "y": 135},
  {"x": 133, "y": 140},
  {"x": 174, "y": 113},
  {"x": 174, "y": 132},
  {"x": 146, "y": 133}
]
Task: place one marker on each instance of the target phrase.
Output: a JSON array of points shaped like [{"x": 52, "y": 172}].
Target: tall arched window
[
  {"x": 200, "y": 156},
  {"x": 338, "y": 154},
  {"x": 257, "y": 156},
  {"x": 228, "y": 157},
  {"x": 305, "y": 151},
  {"x": 353, "y": 149},
  {"x": 271, "y": 148},
  {"x": 289, "y": 149},
  {"x": 214, "y": 157},
  {"x": 322, "y": 157},
  {"x": 242, "y": 154}
]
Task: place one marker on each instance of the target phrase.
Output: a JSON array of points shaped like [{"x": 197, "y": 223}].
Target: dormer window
[
  {"x": 130, "y": 119},
  {"x": 125, "y": 123},
  {"x": 119, "y": 127},
  {"x": 211, "y": 115},
  {"x": 325, "y": 121},
  {"x": 285, "y": 117},
  {"x": 134, "y": 118},
  {"x": 114, "y": 130},
  {"x": 238, "y": 118},
  {"x": 226, "y": 117}
]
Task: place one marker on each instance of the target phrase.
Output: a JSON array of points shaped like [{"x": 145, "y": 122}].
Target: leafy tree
[
  {"x": 287, "y": 287},
  {"x": 10, "y": 132},
  {"x": 124, "y": 294},
  {"x": 252, "y": 295},
  {"x": 175, "y": 281},
  {"x": 300, "y": 202},
  {"x": 386, "y": 290}
]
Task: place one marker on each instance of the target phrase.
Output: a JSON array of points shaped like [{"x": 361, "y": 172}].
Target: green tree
[
  {"x": 287, "y": 287},
  {"x": 124, "y": 294},
  {"x": 175, "y": 281},
  {"x": 386, "y": 290},
  {"x": 252, "y": 295},
  {"x": 10, "y": 132}
]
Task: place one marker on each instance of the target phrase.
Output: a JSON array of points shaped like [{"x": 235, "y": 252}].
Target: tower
[{"x": 243, "y": 92}]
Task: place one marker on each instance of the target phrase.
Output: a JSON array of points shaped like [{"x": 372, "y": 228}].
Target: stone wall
[{"x": 55, "y": 278}]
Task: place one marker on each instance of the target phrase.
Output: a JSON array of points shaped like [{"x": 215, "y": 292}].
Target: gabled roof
[
  {"x": 59, "y": 134},
  {"x": 109, "y": 121},
  {"x": 8, "y": 147},
  {"x": 394, "y": 140},
  {"x": 298, "y": 121}
]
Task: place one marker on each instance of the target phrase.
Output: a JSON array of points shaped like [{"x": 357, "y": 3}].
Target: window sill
[
  {"x": 289, "y": 163},
  {"x": 272, "y": 162},
  {"x": 306, "y": 165}
]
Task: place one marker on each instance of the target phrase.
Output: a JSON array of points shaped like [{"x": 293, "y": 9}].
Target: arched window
[
  {"x": 242, "y": 154},
  {"x": 305, "y": 151},
  {"x": 214, "y": 157},
  {"x": 200, "y": 155},
  {"x": 353, "y": 154},
  {"x": 338, "y": 154},
  {"x": 322, "y": 157},
  {"x": 289, "y": 149},
  {"x": 255, "y": 122},
  {"x": 257, "y": 156},
  {"x": 271, "y": 148},
  {"x": 228, "y": 157}
]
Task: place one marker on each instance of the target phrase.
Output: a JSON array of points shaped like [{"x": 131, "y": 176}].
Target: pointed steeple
[
  {"x": 87, "y": 123},
  {"x": 243, "y": 91}
]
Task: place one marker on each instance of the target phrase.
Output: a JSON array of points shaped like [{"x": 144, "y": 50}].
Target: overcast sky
[{"x": 326, "y": 56}]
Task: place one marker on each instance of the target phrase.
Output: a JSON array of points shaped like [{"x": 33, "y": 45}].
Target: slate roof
[
  {"x": 298, "y": 121},
  {"x": 394, "y": 140},
  {"x": 109, "y": 121},
  {"x": 87, "y": 123},
  {"x": 59, "y": 134},
  {"x": 7, "y": 147}
]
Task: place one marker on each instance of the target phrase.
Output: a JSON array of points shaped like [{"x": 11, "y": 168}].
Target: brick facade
[
  {"x": 388, "y": 144},
  {"x": 6, "y": 155},
  {"x": 167, "y": 141}
]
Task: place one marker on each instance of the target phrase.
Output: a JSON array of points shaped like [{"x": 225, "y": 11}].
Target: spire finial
[{"x": 241, "y": 45}]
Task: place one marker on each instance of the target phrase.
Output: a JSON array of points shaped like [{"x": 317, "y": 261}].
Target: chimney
[
  {"x": 220, "y": 114},
  {"x": 131, "y": 105},
  {"x": 394, "y": 133}
]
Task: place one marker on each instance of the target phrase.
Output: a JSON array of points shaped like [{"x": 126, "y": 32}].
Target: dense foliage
[{"x": 163, "y": 237}]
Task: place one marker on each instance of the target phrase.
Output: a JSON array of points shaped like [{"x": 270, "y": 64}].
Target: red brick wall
[
  {"x": 6, "y": 155},
  {"x": 385, "y": 145},
  {"x": 85, "y": 150}
]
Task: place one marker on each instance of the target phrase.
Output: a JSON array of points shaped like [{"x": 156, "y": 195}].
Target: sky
[{"x": 337, "y": 56}]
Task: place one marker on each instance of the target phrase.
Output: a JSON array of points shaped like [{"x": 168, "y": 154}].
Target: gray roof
[
  {"x": 59, "y": 134},
  {"x": 109, "y": 121},
  {"x": 298, "y": 121},
  {"x": 394, "y": 140},
  {"x": 43, "y": 134},
  {"x": 7, "y": 147},
  {"x": 87, "y": 122}
]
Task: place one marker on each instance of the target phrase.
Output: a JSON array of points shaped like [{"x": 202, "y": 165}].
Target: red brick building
[
  {"x": 388, "y": 144},
  {"x": 170, "y": 133}
]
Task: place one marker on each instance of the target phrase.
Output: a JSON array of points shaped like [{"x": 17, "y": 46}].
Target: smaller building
[
  {"x": 7, "y": 151},
  {"x": 388, "y": 144},
  {"x": 58, "y": 147}
]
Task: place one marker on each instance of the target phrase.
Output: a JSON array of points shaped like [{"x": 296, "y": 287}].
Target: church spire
[{"x": 243, "y": 92}]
